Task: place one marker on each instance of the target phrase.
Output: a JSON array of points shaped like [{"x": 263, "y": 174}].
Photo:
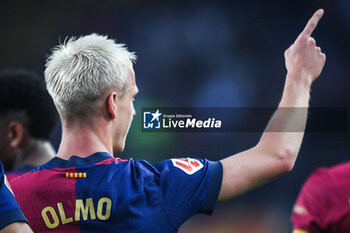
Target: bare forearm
[
  {"x": 285, "y": 131},
  {"x": 296, "y": 92},
  {"x": 277, "y": 149}
]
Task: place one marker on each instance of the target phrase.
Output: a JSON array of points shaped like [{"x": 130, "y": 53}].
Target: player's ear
[
  {"x": 16, "y": 133},
  {"x": 111, "y": 105}
]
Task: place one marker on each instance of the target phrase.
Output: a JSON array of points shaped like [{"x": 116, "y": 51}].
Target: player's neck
[{"x": 83, "y": 140}]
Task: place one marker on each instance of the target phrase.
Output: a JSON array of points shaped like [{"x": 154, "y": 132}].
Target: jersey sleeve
[
  {"x": 310, "y": 210},
  {"x": 188, "y": 186},
  {"x": 10, "y": 212}
]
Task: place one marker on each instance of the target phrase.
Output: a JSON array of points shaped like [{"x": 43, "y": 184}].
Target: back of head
[
  {"x": 80, "y": 71},
  {"x": 24, "y": 98}
]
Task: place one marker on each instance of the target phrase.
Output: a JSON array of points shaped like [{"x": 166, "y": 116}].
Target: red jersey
[{"x": 323, "y": 204}]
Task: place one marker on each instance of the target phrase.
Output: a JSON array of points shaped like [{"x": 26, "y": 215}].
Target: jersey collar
[{"x": 76, "y": 161}]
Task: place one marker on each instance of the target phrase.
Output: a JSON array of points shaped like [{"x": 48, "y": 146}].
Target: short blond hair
[{"x": 80, "y": 71}]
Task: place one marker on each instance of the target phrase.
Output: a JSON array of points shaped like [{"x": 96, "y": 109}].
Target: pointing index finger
[{"x": 312, "y": 23}]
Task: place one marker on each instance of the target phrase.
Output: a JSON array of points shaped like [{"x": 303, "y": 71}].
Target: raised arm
[{"x": 277, "y": 150}]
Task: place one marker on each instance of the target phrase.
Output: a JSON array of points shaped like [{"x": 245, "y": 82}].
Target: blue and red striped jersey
[
  {"x": 10, "y": 212},
  {"x": 100, "y": 193},
  {"x": 18, "y": 172}
]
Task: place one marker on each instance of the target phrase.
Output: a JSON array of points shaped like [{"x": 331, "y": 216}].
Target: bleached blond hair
[{"x": 80, "y": 71}]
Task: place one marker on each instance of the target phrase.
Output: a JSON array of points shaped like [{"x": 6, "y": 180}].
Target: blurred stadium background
[{"x": 203, "y": 54}]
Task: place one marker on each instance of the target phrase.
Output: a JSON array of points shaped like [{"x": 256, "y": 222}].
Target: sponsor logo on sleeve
[{"x": 188, "y": 165}]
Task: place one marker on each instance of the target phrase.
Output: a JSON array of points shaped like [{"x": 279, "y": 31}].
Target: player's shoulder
[
  {"x": 341, "y": 169},
  {"x": 330, "y": 176},
  {"x": 26, "y": 177},
  {"x": 184, "y": 166}
]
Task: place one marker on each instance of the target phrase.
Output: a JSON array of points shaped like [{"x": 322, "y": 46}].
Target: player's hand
[{"x": 304, "y": 60}]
